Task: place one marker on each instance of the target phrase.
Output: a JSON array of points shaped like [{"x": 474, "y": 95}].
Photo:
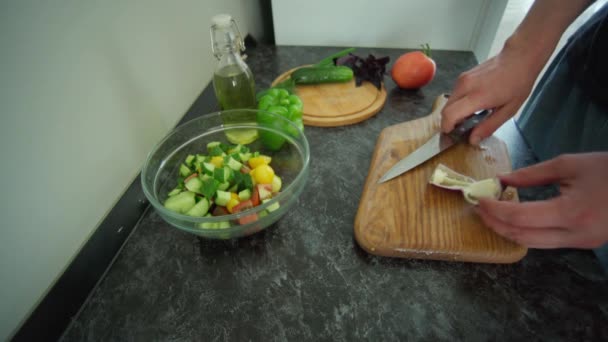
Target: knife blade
[{"x": 438, "y": 143}]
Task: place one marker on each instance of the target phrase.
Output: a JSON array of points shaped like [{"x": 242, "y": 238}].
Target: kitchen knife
[{"x": 437, "y": 144}]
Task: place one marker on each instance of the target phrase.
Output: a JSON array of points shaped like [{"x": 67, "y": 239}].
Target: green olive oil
[{"x": 235, "y": 89}]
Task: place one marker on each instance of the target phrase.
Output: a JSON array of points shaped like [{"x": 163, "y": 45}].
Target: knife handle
[{"x": 462, "y": 131}]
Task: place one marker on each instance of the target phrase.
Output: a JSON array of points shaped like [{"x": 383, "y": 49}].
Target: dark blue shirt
[{"x": 588, "y": 56}]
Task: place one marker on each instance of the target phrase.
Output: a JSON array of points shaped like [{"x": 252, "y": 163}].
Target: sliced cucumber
[
  {"x": 212, "y": 145},
  {"x": 206, "y": 225},
  {"x": 228, "y": 174},
  {"x": 181, "y": 202},
  {"x": 200, "y": 208},
  {"x": 223, "y": 186},
  {"x": 222, "y": 197},
  {"x": 214, "y": 225},
  {"x": 245, "y": 156},
  {"x": 223, "y": 225},
  {"x": 244, "y": 195},
  {"x": 216, "y": 151},
  {"x": 184, "y": 171},
  {"x": 223, "y": 174},
  {"x": 235, "y": 149},
  {"x": 235, "y": 156},
  {"x": 204, "y": 177},
  {"x": 233, "y": 188},
  {"x": 208, "y": 168},
  {"x": 234, "y": 164},
  {"x": 198, "y": 162},
  {"x": 174, "y": 192},
  {"x": 273, "y": 206},
  {"x": 201, "y": 158},
  {"x": 194, "y": 184},
  {"x": 189, "y": 159}
]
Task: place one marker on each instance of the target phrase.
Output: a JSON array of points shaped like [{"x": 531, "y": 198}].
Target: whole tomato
[{"x": 414, "y": 70}]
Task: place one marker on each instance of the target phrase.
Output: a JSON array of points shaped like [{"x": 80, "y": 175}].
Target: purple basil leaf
[
  {"x": 371, "y": 69},
  {"x": 348, "y": 60}
]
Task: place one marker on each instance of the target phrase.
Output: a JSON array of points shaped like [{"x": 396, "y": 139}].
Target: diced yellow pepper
[
  {"x": 217, "y": 161},
  {"x": 263, "y": 174},
  {"x": 260, "y": 160},
  {"x": 231, "y": 204},
  {"x": 277, "y": 183}
]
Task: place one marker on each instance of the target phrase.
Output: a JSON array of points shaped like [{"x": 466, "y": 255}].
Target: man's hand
[
  {"x": 502, "y": 83},
  {"x": 577, "y": 218}
]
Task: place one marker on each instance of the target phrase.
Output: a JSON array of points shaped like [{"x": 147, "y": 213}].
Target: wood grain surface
[
  {"x": 337, "y": 104},
  {"x": 408, "y": 217}
]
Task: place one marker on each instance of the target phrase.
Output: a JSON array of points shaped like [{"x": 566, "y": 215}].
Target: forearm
[
  {"x": 504, "y": 81},
  {"x": 538, "y": 34}
]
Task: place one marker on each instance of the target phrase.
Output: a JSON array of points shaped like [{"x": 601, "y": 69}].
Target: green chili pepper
[{"x": 279, "y": 101}]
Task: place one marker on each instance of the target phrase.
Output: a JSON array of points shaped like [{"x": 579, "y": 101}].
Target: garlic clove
[
  {"x": 487, "y": 188},
  {"x": 446, "y": 178},
  {"x": 472, "y": 190}
]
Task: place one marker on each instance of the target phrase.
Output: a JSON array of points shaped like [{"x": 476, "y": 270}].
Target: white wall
[
  {"x": 444, "y": 24},
  {"x": 489, "y": 24},
  {"x": 86, "y": 89},
  {"x": 514, "y": 13}
]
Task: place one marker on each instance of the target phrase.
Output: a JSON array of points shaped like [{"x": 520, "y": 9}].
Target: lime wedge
[{"x": 242, "y": 136}]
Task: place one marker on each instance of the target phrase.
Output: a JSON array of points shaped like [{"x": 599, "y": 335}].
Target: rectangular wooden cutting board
[{"x": 409, "y": 218}]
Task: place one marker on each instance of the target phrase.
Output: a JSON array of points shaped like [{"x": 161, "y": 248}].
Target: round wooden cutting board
[{"x": 337, "y": 104}]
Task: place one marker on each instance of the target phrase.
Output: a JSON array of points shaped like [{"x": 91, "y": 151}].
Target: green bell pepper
[{"x": 279, "y": 102}]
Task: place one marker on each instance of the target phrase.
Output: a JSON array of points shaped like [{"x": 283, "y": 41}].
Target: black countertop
[{"x": 305, "y": 278}]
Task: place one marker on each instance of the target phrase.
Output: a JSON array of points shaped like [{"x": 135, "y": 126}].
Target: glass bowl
[{"x": 290, "y": 161}]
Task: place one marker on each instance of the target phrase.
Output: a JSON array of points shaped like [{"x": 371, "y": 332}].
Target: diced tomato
[
  {"x": 267, "y": 187},
  {"x": 264, "y": 191},
  {"x": 219, "y": 211},
  {"x": 242, "y": 206},
  {"x": 255, "y": 197},
  {"x": 248, "y": 219},
  {"x": 245, "y": 205}
]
